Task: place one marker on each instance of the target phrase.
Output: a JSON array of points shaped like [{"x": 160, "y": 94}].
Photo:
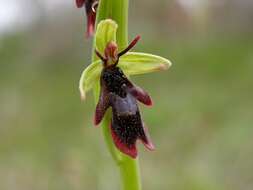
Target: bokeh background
[{"x": 201, "y": 122}]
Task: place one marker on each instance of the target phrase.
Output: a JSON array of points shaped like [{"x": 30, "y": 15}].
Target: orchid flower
[{"x": 111, "y": 71}]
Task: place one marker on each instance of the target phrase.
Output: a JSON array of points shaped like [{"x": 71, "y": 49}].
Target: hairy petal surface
[
  {"x": 127, "y": 126},
  {"x": 133, "y": 63},
  {"x": 129, "y": 150}
]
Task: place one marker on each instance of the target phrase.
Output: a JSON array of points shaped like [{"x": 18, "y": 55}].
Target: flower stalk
[
  {"x": 129, "y": 168},
  {"x": 116, "y": 96}
]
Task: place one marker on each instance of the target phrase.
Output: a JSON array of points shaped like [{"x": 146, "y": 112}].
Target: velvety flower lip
[
  {"x": 90, "y": 9},
  {"x": 127, "y": 126},
  {"x": 119, "y": 93}
]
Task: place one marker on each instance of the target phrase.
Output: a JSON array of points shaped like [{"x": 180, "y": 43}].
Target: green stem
[
  {"x": 130, "y": 174},
  {"x": 129, "y": 168}
]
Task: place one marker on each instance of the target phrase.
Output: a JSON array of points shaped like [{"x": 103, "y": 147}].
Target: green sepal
[
  {"x": 105, "y": 33},
  {"x": 89, "y": 77},
  {"x": 133, "y": 63}
]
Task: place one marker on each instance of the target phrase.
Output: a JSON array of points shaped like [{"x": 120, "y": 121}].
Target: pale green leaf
[
  {"x": 89, "y": 77},
  {"x": 106, "y": 32},
  {"x": 133, "y": 63}
]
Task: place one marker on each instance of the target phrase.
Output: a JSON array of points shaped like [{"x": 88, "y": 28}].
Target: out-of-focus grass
[{"x": 201, "y": 122}]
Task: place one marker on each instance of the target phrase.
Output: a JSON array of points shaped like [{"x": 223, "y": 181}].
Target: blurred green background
[{"x": 201, "y": 121}]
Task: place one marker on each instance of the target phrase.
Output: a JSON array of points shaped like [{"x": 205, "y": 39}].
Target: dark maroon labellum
[{"x": 122, "y": 95}]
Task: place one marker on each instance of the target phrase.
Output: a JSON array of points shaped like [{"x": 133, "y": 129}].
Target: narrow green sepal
[
  {"x": 89, "y": 77},
  {"x": 105, "y": 33},
  {"x": 133, "y": 63}
]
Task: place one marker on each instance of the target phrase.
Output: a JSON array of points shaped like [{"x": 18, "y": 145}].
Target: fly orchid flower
[
  {"x": 120, "y": 94},
  {"x": 90, "y": 9},
  {"x": 110, "y": 72}
]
